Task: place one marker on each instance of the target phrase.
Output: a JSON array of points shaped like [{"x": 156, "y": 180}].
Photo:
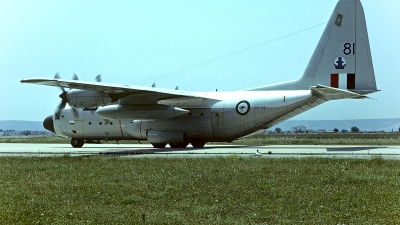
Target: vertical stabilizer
[{"x": 342, "y": 58}]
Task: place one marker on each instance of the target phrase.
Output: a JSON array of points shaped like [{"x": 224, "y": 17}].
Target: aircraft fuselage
[{"x": 221, "y": 117}]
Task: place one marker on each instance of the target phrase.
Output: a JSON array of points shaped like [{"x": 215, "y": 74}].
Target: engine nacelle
[{"x": 87, "y": 99}]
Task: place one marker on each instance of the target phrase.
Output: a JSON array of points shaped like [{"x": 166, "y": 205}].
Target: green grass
[
  {"x": 34, "y": 139},
  {"x": 322, "y": 139},
  {"x": 231, "y": 190}
]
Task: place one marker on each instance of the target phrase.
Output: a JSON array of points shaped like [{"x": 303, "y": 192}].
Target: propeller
[{"x": 64, "y": 99}]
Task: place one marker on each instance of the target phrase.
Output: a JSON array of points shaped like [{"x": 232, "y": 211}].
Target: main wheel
[
  {"x": 178, "y": 145},
  {"x": 77, "y": 143},
  {"x": 198, "y": 144},
  {"x": 159, "y": 145}
]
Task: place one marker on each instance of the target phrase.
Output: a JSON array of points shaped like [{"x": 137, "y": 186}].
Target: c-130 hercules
[{"x": 340, "y": 67}]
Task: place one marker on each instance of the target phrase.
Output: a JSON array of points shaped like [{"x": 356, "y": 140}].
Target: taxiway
[{"x": 146, "y": 150}]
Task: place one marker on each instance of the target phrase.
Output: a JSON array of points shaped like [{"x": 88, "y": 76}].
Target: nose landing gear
[{"x": 77, "y": 143}]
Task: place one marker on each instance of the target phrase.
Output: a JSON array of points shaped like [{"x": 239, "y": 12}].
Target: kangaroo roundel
[{"x": 243, "y": 107}]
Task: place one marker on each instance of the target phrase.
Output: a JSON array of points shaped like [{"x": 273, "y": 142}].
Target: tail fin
[{"x": 342, "y": 58}]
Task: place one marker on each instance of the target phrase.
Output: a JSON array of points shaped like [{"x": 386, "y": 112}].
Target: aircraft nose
[{"x": 48, "y": 124}]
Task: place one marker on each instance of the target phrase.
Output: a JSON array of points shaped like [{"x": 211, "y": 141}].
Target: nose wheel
[{"x": 77, "y": 143}]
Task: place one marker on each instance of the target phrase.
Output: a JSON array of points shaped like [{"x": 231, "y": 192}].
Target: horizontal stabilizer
[{"x": 330, "y": 93}]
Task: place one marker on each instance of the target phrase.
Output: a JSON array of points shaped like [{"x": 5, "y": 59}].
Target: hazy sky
[{"x": 135, "y": 42}]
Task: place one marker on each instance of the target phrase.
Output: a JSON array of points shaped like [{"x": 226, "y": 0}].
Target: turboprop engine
[
  {"x": 140, "y": 111},
  {"x": 87, "y": 99}
]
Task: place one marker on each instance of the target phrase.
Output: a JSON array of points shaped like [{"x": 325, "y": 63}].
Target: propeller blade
[
  {"x": 76, "y": 112},
  {"x": 98, "y": 78},
  {"x": 62, "y": 104},
  {"x": 59, "y": 108},
  {"x": 57, "y": 76},
  {"x": 63, "y": 90},
  {"x": 64, "y": 99},
  {"x": 63, "y": 95}
]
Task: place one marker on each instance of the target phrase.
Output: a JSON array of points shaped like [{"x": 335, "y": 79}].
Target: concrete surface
[{"x": 146, "y": 150}]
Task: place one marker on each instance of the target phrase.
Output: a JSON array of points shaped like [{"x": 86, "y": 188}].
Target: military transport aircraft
[{"x": 340, "y": 67}]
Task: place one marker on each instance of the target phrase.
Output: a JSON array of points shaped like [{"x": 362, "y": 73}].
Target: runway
[{"x": 146, "y": 150}]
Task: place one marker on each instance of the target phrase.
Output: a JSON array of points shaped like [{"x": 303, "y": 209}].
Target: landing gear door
[{"x": 217, "y": 124}]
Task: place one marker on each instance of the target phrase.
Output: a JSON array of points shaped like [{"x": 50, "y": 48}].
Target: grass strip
[
  {"x": 230, "y": 190},
  {"x": 322, "y": 139}
]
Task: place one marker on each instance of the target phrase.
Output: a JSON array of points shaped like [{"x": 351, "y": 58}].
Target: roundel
[{"x": 243, "y": 107}]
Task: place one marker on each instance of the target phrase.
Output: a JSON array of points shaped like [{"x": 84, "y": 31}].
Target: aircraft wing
[{"x": 116, "y": 91}]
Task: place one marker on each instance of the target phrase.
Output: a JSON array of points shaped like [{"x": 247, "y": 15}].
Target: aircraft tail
[{"x": 342, "y": 58}]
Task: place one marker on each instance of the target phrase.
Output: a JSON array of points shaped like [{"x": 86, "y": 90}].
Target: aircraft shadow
[{"x": 147, "y": 150}]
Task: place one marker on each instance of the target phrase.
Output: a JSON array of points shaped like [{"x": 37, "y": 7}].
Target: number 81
[{"x": 349, "y": 48}]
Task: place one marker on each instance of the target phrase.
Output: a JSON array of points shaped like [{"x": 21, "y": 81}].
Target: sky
[{"x": 145, "y": 42}]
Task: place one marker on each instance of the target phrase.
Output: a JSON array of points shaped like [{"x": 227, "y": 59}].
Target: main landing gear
[
  {"x": 178, "y": 145},
  {"x": 198, "y": 144},
  {"x": 195, "y": 144},
  {"x": 77, "y": 143},
  {"x": 159, "y": 145}
]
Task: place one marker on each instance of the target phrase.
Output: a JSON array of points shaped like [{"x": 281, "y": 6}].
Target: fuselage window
[
  {"x": 100, "y": 123},
  {"x": 111, "y": 123},
  {"x": 201, "y": 114},
  {"x": 90, "y": 123}
]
